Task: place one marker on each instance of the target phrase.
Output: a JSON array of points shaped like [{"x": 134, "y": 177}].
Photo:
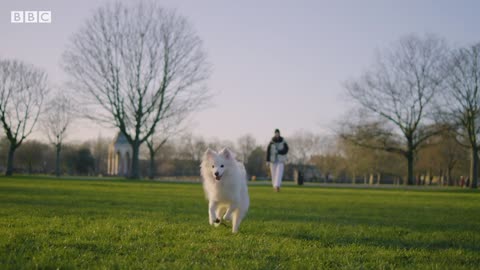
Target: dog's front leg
[
  {"x": 236, "y": 219},
  {"x": 212, "y": 208},
  {"x": 228, "y": 214}
]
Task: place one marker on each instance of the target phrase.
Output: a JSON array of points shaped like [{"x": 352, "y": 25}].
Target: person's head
[{"x": 277, "y": 133}]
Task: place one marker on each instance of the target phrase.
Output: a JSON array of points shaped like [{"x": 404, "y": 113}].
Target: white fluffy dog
[{"x": 225, "y": 185}]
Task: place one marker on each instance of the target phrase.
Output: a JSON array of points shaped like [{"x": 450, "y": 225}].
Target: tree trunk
[
  {"x": 152, "y": 165},
  {"x": 442, "y": 178},
  {"x": 57, "y": 160},
  {"x": 449, "y": 176},
  {"x": 410, "y": 179},
  {"x": 11, "y": 153},
  {"x": 474, "y": 167},
  {"x": 409, "y": 155},
  {"x": 135, "y": 170}
]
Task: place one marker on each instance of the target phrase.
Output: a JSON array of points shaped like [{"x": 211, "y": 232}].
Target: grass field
[{"x": 48, "y": 223}]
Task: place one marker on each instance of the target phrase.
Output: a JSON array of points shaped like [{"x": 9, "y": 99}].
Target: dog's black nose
[{"x": 216, "y": 173}]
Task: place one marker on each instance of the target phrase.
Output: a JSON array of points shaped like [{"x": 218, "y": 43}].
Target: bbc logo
[{"x": 30, "y": 16}]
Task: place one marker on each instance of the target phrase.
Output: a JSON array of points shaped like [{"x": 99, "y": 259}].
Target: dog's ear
[
  {"x": 209, "y": 154},
  {"x": 227, "y": 153}
]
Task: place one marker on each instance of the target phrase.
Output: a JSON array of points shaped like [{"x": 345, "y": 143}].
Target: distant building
[{"x": 119, "y": 156}]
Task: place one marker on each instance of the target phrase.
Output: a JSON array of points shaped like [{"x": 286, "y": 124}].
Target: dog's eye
[
  {"x": 213, "y": 166},
  {"x": 221, "y": 166}
]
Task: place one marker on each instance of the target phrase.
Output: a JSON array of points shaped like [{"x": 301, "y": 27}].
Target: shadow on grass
[
  {"x": 370, "y": 222},
  {"x": 92, "y": 179},
  {"x": 395, "y": 243}
]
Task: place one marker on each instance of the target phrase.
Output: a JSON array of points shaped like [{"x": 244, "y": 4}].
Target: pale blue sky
[{"x": 276, "y": 64}]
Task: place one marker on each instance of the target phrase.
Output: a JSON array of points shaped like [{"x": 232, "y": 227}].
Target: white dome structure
[{"x": 119, "y": 156}]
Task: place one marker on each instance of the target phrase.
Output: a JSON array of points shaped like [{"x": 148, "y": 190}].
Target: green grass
[{"x": 79, "y": 223}]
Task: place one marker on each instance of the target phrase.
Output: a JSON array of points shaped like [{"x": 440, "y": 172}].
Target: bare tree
[
  {"x": 246, "y": 144},
  {"x": 58, "y": 117},
  {"x": 22, "y": 90},
  {"x": 462, "y": 101},
  {"x": 33, "y": 157},
  {"x": 398, "y": 91},
  {"x": 164, "y": 132},
  {"x": 255, "y": 163},
  {"x": 358, "y": 159},
  {"x": 191, "y": 147},
  {"x": 216, "y": 143},
  {"x": 442, "y": 156},
  {"x": 136, "y": 66},
  {"x": 99, "y": 149},
  {"x": 304, "y": 145}
]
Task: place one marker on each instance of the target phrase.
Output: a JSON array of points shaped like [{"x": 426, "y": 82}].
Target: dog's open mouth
[{"x": 218, "y": 177}]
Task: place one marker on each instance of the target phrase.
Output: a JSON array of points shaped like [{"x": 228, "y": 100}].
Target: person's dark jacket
[{"x": 277, "y": 150}]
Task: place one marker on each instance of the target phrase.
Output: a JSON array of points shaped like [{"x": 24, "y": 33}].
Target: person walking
[{"x": 276, "y": 157}]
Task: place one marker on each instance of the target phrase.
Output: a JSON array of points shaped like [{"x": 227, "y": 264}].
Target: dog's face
[{"x": 217, "y": 162}]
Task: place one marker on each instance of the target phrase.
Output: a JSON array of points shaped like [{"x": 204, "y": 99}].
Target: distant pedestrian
[{"x": 276, "y": 157}]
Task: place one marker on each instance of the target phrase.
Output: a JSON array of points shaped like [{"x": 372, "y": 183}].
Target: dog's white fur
[{"x": 226, "y": 192}]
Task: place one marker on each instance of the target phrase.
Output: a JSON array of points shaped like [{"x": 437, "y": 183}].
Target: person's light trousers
[{"x": 276, "y": 169}]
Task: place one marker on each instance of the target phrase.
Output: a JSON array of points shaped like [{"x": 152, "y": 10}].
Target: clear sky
[{"x": 276, "y": 64}]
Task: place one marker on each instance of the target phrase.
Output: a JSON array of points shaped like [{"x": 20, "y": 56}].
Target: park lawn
[{"x": 86, "y": 223}]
